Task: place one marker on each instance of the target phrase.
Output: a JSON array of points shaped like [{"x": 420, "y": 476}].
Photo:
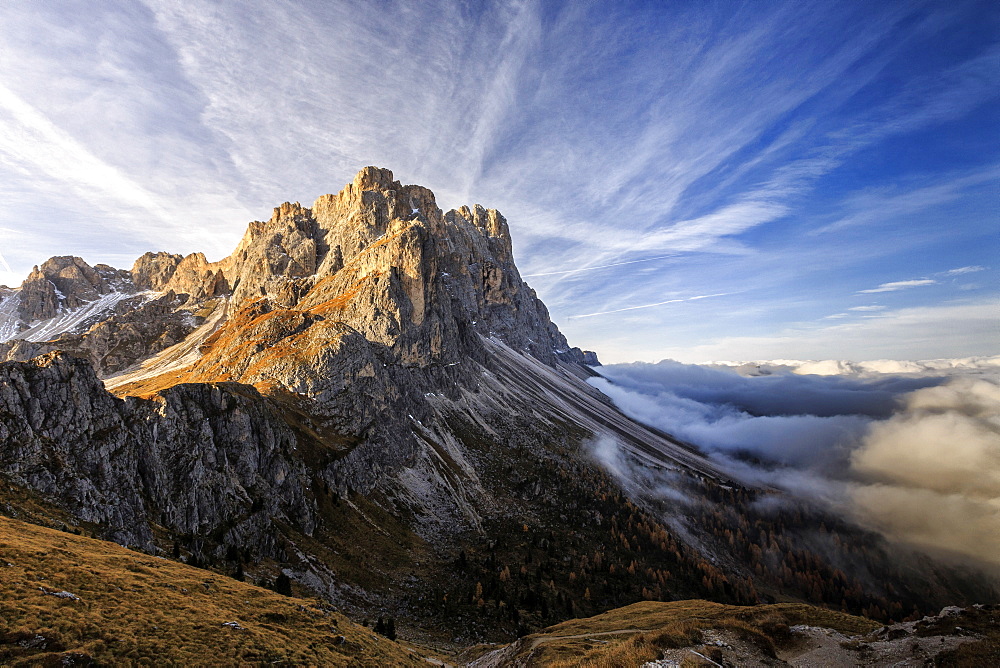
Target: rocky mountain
[{"x": 367, "y": 399}]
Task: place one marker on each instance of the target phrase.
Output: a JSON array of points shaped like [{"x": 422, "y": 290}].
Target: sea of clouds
[{"x": 911, "y": 449}]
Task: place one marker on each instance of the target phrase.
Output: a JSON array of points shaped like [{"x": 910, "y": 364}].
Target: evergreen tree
[{"x": 283, "y": 584}]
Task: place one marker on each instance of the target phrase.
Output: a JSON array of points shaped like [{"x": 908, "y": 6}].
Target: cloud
[
  {"x": 899, "y": 285},
  {"x": 915, "y": 456},
  {"x": 784, "y": 418},
  {"x": 606, "y": 451},
  {"x": 875, "y": 205},
  {"x": 564, "y": 272},
  {"x": 872, "y": 307},
  {"x": 932, "y": 472},
  {"x": 964, "y": 270},
  {"x": 642, "y": 306},
  {"x": 30, "y": 137}
]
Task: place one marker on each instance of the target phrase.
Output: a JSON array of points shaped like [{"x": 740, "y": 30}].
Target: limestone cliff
[{"x": 197, "y": 459}]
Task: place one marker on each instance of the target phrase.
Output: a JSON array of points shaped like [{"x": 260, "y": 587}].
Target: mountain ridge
[{"x": 366, "y": 397}]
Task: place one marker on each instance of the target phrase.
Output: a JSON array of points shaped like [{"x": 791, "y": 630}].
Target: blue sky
[{"x": 693, "y": 180}]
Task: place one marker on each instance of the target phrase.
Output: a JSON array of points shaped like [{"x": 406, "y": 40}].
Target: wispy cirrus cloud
[
  {"x": 899, "y": 285},
  {"x": 640, "y": 152},
  {"x": 644, "y": 306},
  {"x": 964, "y": 270},
  {"x": 27, "y": 137},
  {"x": 896, "y": 201}
]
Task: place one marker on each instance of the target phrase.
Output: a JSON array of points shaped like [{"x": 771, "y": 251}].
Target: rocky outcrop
[
  {"x": 192, "y": 275},
  {"x": 197, "y": 460},
  {"x": 383, "y": 259},
  {"x": 65, "y": 294},
  {"x": 63, "y": 282},
  {"x": 365, "y": 304},
  {"x": 379, "y": 257},
  {"x": 363, "y": 307},
  {"x": 153, "y": 271}
]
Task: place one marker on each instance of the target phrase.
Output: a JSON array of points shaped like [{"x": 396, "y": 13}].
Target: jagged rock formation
[
  {"x": 383, "y": 259},
  {"x": 372, "y": 303},
  {"x": 197, "y": 458},
  {"x": 64, "y": 295},
  {"x": 63, "y": 283},
  {"x": 379, "y": 257},
  {"x": 192, "y": 275}
]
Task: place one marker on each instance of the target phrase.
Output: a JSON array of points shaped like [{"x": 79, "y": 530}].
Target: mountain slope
[
  {"x": 71, "y": 600},
  {"x": 367, "y": 397}
]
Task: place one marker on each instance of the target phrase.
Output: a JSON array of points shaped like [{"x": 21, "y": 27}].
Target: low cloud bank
[
  {"x": 931, "y": 473},
  {"x": 916, "y": 456},
  {"x": 870, "y": 368},
  {"x": 789, "y": 419}
]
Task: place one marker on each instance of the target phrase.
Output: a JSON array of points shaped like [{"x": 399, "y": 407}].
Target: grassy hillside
[
  {"x": 636, "y": 633},
  {"x": 68, "y": 599}
]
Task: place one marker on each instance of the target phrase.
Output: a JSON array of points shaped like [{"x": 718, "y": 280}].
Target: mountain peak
[{"x": 374, "y": 178}]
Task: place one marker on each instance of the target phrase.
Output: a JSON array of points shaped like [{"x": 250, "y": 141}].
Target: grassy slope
[
  {"x": 673, "y": 624},
  {"x": 134, "y": 608}
]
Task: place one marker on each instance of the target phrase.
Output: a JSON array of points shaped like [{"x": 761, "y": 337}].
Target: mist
[
  {"x": 931, "y": 473},
  {"x": 914, "y": 456}
]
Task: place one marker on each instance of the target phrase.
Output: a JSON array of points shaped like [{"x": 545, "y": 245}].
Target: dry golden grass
[
  {"x": 340, "y": 302},
  {"x": 148, "y": 388},
  {"x": 629, "y": 653},
  {"x": 255, "y": 339},
  {"x": 141, "y": 610},
  {"x": 636, "y": 633}
]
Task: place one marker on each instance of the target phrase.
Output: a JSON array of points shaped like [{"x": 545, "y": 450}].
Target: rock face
[
  {"x": 61, "y": 282},
  {"x": 197, "y": 459},
  {"x": 153, "y": 271},
  {"x": 383, "y": 259},
  {"x": 64, "y": 295},
  {"x": 379, "y": 257},
  {"x": 131, "y": 330},
  {"x": 372, "y": 303},
  {"x": 366, "y": 303}
]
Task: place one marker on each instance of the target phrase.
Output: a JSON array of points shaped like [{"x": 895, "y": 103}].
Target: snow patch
[
  {"x": 76, "y": 319},
  {"x": 9, "y": 323}
]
